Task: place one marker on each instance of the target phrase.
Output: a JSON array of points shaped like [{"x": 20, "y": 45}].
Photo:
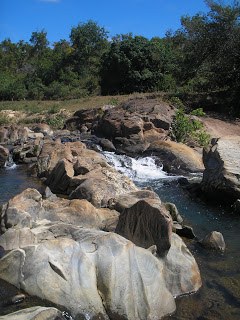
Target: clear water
[
  {"x": 219, "y": 297},
  {"x": 14, "y": 179}
]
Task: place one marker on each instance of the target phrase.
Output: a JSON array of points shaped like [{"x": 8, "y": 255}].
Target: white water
[
  {"x": 140, "y": 170},
  {"x": 10, "y": 164}
]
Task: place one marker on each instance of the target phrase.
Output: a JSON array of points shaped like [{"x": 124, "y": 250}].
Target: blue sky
[{"x": 19, "y": 18}]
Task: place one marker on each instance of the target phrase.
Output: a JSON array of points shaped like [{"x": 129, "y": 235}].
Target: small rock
[{"x": 214, "y": 240}]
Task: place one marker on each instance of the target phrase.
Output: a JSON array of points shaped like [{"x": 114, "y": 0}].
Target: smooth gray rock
[{"x": 222, "y": 169}]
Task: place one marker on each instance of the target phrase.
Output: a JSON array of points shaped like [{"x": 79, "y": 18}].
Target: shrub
[{"x": 186, "y": 128}]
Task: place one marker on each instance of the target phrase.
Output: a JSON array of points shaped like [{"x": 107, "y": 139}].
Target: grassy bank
[{"x": 70, "y": 105}]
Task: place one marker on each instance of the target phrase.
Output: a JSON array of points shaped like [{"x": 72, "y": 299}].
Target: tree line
[{"x": 199, "y": 61}]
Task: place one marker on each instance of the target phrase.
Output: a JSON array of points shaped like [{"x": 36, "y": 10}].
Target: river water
[{"x": 219, "y": 297}]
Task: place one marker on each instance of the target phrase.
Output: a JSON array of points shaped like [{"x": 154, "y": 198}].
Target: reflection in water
[{"x": 219, "y": 297}]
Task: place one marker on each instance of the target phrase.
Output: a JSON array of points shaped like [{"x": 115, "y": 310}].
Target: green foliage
[
  {"x": 201, "y": 58},
  {"x": 57, "y": 121},
  {"x": 186, "y": 128},
  {"x": 136, "y": 64}
]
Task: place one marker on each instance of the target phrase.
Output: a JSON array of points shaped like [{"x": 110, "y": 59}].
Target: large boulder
[
  {"x": 109, "y": 275},
  {"x": 100, "y": 186},
  {"x": 144, "y": 220},
  {"x": 96, "y": 274},
  {"x": 4, "y": 154},
  {"x": 177, "y": 157},
  {"x": 222, "y": 169}
]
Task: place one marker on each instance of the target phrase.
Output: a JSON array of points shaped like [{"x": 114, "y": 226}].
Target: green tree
[
  {"x": 89, "y": 42},
  {"x": 134, "y": 63},
  {"x": 210, "y": 44}
]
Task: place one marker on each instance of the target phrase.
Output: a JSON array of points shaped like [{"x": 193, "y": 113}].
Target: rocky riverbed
[{"x": 94, "y": 242}]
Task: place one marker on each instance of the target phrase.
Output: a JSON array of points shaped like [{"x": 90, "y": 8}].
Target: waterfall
[
  {"x": 141, "y": 169},
  {"x": 10, "y": 164}
]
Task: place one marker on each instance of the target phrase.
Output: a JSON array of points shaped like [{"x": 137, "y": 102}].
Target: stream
[{"x": 219, "y": 297}]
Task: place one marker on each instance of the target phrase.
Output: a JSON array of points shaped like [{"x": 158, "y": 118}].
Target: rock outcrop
[
  {"x": 131, "y": 126},
  {"x": 222, "y": 169},
  {"x": 28, "y": 209},
  {"x": 129, "y": 283},
  {"x": 80, "y": 173}
]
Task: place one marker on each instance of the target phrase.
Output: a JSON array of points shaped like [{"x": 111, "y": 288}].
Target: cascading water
[
  {"x": 141, "y": 169},
  {"x": 219, "y": 296}
]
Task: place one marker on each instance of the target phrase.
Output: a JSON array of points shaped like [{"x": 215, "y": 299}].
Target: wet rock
[
  {"x": 222, "y": 168},
  {"x": 214, "y": 240},
  {"x": 15, "y": 300},
  {"x": 34, "y": 313},
  {"x": 236, "y": 206},
  {"x": 4, "y": 154}
]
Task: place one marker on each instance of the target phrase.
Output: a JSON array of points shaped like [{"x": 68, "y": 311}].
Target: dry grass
[
  {"x": 71, "y": 105},
  {"x": 29, "y": 112}
]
